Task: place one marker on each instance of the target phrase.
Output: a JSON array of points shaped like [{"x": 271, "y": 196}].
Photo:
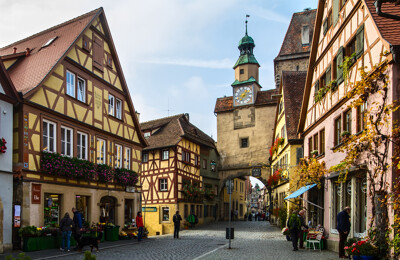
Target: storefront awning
[{"x": 300, "y": 191}]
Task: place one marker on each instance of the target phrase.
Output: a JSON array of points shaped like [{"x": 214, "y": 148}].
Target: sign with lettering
[
  {"x": 36, "y": 193},
  {"x": 149, "y": 209},
  {"x": 256, "y": 172}
]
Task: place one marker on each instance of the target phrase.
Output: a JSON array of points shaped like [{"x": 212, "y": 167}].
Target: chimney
[
  {"x": 137, "y": 115},
  {"x": 14, "y": 50},
  {"x": 187, "y": 116},
  {"x": 28, "y": 52}
]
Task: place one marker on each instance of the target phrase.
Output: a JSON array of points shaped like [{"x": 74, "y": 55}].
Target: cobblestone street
[{"x": 253, "y": 240}]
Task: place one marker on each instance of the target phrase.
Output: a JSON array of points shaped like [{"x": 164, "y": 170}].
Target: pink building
[{"x": 342, "y": 28}]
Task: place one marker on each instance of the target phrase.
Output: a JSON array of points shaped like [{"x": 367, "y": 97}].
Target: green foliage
[
  {"x": 29, "y": 231},
  {"x": 395, "y": 243},
  {"x": 21, "y": 256},
  {"x": 347, "y": 63},
  {"x": 282, "y": 216},
  {"x": 89, "y": 256}
]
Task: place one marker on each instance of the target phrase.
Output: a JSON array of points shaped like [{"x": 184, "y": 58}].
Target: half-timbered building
[
  {"x": 286, "y": 148},
  {"x": 76, "y": 123},
  {"x": 371, "y": 33},
  {"x": 170, "y": 175}
]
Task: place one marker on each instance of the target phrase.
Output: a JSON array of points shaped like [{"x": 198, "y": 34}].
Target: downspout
[
  {"x": 378, "y": 6},
  {"x": 395, "y": 50}
]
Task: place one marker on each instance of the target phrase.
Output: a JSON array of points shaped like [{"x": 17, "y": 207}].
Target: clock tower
[{"x": 246, "y": 86}]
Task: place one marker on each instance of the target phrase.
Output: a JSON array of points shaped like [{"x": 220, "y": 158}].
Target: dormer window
[
  {"x": 49, "y": 42},
  {"x": 305, "y": 35},
  {"x": 147, "y": 134}
]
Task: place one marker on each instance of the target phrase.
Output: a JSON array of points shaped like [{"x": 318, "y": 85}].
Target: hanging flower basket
[{"x": 3, "y": 146}]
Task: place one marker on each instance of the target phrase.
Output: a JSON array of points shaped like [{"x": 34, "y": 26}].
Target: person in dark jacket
[
  {"x": 66, "y": 226},
  {"x": 78, "y": 225},
  {"x": 303, "y": 225},
  {"x": 177, "y": 224},
  {"x": 294, "y": 226},
  {"x": 343, "y": 226}
]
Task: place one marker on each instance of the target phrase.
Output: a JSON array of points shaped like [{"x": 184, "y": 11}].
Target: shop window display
[
  {"x": 129, "y": 216},
  {"x": 51, "y": 209},
  {"x": 107, "y": 210}
]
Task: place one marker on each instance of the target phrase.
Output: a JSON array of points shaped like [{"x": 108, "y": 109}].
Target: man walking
[
  {"x": 177, "y": 223},
  {"x": 294, "y": 225},
  {"x": 139, "y": 224},
  {"x": 343, "y": 226},
  {"x": 303, "y": 225}
]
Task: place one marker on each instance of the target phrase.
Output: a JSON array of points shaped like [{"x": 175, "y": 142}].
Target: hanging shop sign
[
  {"x": 36, "y": 193},
  {"x": 256, "y": 172}
]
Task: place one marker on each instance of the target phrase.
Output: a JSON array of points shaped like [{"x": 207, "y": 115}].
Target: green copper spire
[{"x": 246, "y": 46}]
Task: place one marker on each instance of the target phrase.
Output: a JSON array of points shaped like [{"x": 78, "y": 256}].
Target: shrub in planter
[
  {"x": 126, "y": 177},
  {"x": 104, "y": 173}
]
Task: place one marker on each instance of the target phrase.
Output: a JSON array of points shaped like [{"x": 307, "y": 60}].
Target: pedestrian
[
  {"x": 294, "y": 225},
  {"x": 177, "y": 224},
  {"x": 303, "y": 226},
  {"x": 236, "y": 214},
  {"x": 66, "y": 226},
  {"x": 250, "y": 217},
  {"x": 263, "y": 216},
  {"x": 139, "y": 224},
  {"x": 78, "y": 225},
  {"x": 191, "y": 219},
  {"x": 343, "y": 226}
]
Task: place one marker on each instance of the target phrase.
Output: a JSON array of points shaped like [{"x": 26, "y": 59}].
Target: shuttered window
[
  {"x": 335, "y": 11},
  {"x": 339, "y": 63},
  {"x": 360, "y": 41},
  {"x": 98, "y": 53}
]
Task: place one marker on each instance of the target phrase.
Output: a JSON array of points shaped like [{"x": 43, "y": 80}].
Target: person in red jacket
[{"x": 139, "y": 224}]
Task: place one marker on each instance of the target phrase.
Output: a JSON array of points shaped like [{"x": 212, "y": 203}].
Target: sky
[{"x": 176, "y": 55}]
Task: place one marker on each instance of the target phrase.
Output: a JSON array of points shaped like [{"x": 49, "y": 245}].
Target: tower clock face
[{"x": 243, "y": 95}]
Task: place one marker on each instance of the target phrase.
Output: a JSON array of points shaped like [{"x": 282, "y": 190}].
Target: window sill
[
  {"x": 337, "y": 146},
  {"x": 319, "y": 156}
]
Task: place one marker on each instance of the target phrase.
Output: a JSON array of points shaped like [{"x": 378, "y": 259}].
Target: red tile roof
[
  {"x": 168, "y": 131},
  {"x": 31, "y": 70},
  {"x": 292, "y": 42},
  {"x": 293, "y": 83},
  {"x": 264, "y": 98},
  {"x": 389, "y": 28}
]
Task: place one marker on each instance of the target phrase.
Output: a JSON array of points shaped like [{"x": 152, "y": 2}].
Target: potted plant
[
  {"x": 3, "y": 146},
  {"x": 363, "y": 249},
  {"x": 345, "y": 134},
  {"x": 285, "y": 232},
  {"x": 314, "y": 152}
]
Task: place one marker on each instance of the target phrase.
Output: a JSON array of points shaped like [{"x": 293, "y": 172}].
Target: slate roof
[
  {"x": 389, "y": 28},
  {"x": 170, "y": 130},
  {"x": 292, "y": 42},
  {"x": 293, "y": 83},
  {"x": 264, "y": 98},
  {"x": 245, "y": 59},
  {"x": 31, "y": 70}
]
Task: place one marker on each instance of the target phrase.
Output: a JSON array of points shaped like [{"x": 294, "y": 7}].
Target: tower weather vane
[{"x": 247, "y": 16}]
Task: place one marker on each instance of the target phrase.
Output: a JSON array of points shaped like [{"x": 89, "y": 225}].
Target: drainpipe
[
  {"x": 378, "y": 6},
  {"x": 395, "y": 50}
]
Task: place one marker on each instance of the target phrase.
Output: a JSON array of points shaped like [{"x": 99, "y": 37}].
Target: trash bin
[{"x": 231, "y": 233}]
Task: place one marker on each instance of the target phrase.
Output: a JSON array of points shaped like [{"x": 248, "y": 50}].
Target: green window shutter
[
  {"x": 328, "y": 75},
  {"x": 360, "y": 41},
  {"x": 316, "y": 87},
  {"x": 339, "y": 63},
  {"x": 335, "y": 11},
  {"x": 325, "y": 26}
]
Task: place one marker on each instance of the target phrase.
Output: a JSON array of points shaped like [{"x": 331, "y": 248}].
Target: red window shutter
[{"x": 98, "y": 53}]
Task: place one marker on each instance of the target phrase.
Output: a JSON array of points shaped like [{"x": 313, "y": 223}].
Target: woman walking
[{"x": 66, "y": 226}]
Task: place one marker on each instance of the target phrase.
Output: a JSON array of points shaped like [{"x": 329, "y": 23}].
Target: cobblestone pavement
[{"x": 253, "y": 240}]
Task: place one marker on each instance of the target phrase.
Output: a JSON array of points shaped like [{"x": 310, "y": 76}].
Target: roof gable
[{"x": 7, "y": 89}]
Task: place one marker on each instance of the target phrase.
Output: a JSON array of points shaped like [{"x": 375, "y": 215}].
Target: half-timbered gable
[
  {"x": 171, "y": 161},
  {"x": 75, "y": 103},
  {"x": 367, "y": 35}
]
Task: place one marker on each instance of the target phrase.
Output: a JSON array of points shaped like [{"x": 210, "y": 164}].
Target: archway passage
[{"x": 107, "y": 209}]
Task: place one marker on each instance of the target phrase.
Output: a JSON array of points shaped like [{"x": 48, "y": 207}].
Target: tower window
[
  {"x": 241, "y": 71},
  {"x": 244, "y": 142}
]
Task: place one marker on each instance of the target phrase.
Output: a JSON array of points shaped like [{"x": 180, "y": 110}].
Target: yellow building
[
  {"x": 170, "y": 175},
  {"x": 286, "y": 149},
  {"x": 238, "y": 200},
  {"x": 76, "y": 123}
]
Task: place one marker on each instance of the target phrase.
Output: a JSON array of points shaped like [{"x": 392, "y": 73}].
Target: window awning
[{"x": 300, "y": 191}]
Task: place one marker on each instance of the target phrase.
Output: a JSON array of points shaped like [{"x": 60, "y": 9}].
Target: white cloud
[{"x": 211, "y": 64}]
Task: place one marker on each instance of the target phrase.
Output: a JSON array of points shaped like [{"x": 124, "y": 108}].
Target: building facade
[
  {"x": 244, "y": 127},
  {"x": 343, "y": 28},
  {"x": 8, "y": 99},
  {"x": 170, "y": 175},
  {"x": 295, "y": 50},
  {"x": 77, "y": 141}
]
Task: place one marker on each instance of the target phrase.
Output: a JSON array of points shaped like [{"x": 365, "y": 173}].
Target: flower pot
[{"x": 367, "y": 257}]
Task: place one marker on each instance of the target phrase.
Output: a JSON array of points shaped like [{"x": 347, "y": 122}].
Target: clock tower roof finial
[
  {"x": 246, "y": 46},
  {"x": 246, "y": 22}
]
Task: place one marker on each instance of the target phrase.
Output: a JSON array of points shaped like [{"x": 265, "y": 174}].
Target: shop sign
[
  {"x": 149, "y": 209},
  {"x": 256, "y": 172},
  {"x": 130, "y": 189},
  {"x": 17, "y": 216},
  {"x": 36, "y": 193}
]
